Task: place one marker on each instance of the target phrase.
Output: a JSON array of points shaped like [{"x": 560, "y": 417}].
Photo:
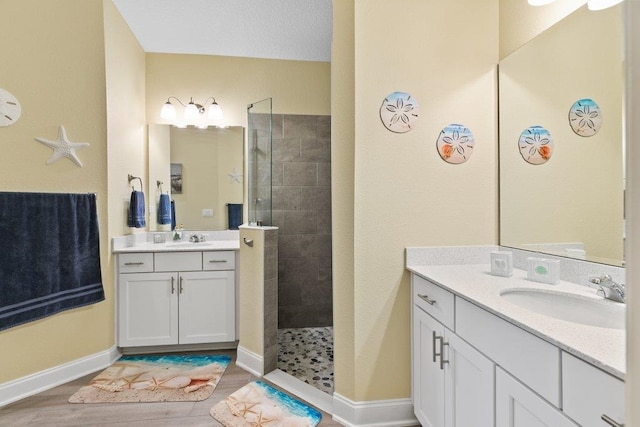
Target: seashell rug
[
  {"x": 162, "y": 378},
  {"x": 258, "y": 404}
]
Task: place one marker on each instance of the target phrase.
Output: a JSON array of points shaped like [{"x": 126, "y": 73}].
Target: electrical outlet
[{"x": 207, "y": 213}]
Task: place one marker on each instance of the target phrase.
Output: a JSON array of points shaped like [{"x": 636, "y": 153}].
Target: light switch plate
[{"x": 207, "y": 213}]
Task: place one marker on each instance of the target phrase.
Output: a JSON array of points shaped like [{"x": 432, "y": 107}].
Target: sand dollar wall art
[
  {"x": 399, "y": 112},
  {"x": 585, "y": 117},
  {"x": 455, "y": 144},
  {"x": 536, "y": 145}
]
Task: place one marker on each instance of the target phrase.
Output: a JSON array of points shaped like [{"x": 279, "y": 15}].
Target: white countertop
[
  {"x": 602, "y": 347},
  {"x": 219, "y": 245}
]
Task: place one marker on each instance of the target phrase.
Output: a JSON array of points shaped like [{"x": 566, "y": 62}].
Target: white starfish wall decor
[
  {"x": 62, "y": 147},
  {"x": 235, "y": 176}
]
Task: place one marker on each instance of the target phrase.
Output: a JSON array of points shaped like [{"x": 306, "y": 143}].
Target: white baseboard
[
  {"x": 302, "y": 390},
  {"x": 378, "y": 413},
  {"x": 250, "y": 361},
  {"x": 44, "y": 380}
]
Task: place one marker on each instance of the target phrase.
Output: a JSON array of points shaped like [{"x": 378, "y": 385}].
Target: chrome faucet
[
  {"x": 197, "y": 238},
  {"x": 609, "y": 289}
]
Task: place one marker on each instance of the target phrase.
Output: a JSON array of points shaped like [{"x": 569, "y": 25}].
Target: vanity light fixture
[{"x": 194, "y": 113}]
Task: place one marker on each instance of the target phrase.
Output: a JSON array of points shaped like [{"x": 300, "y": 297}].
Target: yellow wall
[
  {"x": 297, "y": 87},
  {"x": 520, "y": 22},
  {"x": 403, "y": 193},
  {"x": 54, "y": 63}
]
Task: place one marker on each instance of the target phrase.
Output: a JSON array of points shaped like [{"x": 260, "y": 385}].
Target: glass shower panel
[{"x": 260, "y": 136}]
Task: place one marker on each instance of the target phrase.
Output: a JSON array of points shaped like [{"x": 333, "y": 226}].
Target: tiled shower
[{"x": 301, "y": 209}]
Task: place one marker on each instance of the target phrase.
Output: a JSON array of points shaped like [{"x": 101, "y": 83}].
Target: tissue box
[
  {"x": 501, "y": 263},
  {"x": 543, "y": 270}
]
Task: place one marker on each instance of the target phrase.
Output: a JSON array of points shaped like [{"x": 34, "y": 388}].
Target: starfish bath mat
[
  {"x": 163, "y": 378},
  {"x": 259, "y": 404}
]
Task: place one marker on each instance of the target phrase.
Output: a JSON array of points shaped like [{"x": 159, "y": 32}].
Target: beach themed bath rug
[
  {"x": 258, "y": 404},
  {"x": 163, "y": 378}
]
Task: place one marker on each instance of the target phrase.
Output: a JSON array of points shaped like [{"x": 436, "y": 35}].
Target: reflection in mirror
[
  {"x": 572, "y": 204},
  {"x": 211, "y": 162}
]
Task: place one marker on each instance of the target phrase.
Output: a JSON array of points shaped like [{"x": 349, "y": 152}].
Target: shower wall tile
[
  {"x": 324, "y": 174},
  {"x": 277, "y": 125},
  {"x": 300, "y": 173},
  {"x": 318, "y": 198},
  {"x": 286, "y": 198},
  {"x": 287, "y": 150},
  {"x": 302, "y": 211},
  {"x": 300, "y": 126},
  {"x": 315, "y": 150}
]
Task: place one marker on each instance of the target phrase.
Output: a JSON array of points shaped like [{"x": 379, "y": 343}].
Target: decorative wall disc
[
  {"x": 399, "y": 112},
  {"x": 10, "y": 109},
  {"x": 585, "y": 117},
  {"x": 536, "y": 145},
  {"x": 455, "y": 144}
]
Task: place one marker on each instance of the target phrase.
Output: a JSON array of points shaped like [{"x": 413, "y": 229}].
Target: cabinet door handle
[
  {"x": 173, "y": 285},
  {"x": 426, "y": 299},
  {"x": 181, "y": 287},
  {"x": 610, "y": 421},
  {"x": 441, "y": 352},
  {"x": 134, "y": 263},
  {"x": 217, "y": 260}
]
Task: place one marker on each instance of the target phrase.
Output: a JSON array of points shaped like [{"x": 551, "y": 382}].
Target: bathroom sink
[
  {"x": 569, "y": 307},
  {"x": 188, "y": 244}
]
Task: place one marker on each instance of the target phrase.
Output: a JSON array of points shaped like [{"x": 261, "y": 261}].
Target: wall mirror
[
  {"x": 211, "y": 165},
  {"x": 572, "y": 204}
]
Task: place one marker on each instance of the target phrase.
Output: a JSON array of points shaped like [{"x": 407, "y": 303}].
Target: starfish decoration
[
  {"x": 62, "y": 147},
  {"x": 235, "y": 176}
]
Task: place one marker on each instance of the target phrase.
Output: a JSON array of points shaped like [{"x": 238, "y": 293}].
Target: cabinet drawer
[
  {"x": 588, "y": 393},
  {"x": 532, "y": 360},
  {"x": 178, "y": 261},
  {"x": 441, "y": 305},
  {"x": 219, "y": 260},
  {"x": 135, "y": 263}
]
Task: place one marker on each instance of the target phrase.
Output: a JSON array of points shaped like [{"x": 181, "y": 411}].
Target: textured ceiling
[{"x": 276, "y": 29}]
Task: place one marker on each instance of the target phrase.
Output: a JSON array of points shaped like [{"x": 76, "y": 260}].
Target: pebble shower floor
[{"x": 307, "y": 354}]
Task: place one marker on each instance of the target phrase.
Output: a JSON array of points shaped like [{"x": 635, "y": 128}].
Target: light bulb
[
  {"x": 168, "y": 111},
  {"x": 191, "y": 113},
  {"x": 601, "y": 4},
  {"x": 215, "y": 112}
]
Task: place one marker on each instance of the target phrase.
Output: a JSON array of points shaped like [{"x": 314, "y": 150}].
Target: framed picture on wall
[{"x": 176, "y": 178}]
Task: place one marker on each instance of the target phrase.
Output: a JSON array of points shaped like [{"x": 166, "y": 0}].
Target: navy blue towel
[
  {"x": 136, "y": 210},
  {"x": 173, "y": 215},
  {"x": 235, "y": 215},
  {"x": 164, "y": 209},
  {"x": 50, "y": 257}
]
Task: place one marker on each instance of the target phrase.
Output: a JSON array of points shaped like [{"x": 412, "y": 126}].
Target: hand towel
[
  {"x": 136, "y": 210},
  {"x": 234, "y": 211},
  {"x": 173, "y": 215},
  {"x": 164, "y": 209}
]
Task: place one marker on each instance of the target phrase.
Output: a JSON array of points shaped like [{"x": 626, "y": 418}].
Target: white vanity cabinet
[
  {"x": 169, "y": 298},
  {"x": 453, "y": 384}
]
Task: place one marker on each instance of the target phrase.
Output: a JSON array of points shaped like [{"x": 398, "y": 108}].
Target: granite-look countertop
[
  {"x": 602, "y": 347},
  {"x": 225, "y": 240},
  {"x": 218, "y": 245}
]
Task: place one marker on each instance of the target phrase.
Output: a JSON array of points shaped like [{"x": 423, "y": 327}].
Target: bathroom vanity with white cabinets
[
  {"x": 176, "y": 294},
  {"x": 478, "y": 359}
]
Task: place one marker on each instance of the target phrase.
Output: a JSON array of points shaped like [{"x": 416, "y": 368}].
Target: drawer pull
[
  {"x": 173, "y": 285},
  {"x": 181, "y": 286},
  {"x": 217, "y": 260},
  {"x": 610, "y": 421},
  {"x": 426, "y": 299},
  {"x": 134, "y": 263}
]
